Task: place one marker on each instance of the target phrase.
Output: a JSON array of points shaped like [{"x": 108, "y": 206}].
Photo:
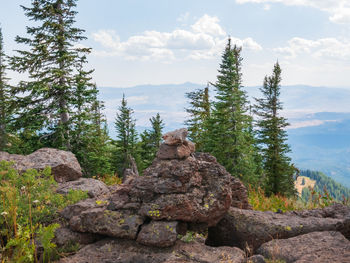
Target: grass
[
  {"x": 29, "y": 208},
  {"x": 278, "y": 203}
]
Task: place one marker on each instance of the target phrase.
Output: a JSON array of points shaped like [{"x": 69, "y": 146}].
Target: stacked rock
[
  {"x": 175, "y": 146},
  {"x": 180, "y": 189}
]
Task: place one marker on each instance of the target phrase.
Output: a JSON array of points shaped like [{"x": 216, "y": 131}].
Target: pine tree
[
  {"x": 230, "y": 137},
  {"x": 150, "y": 141},
  {"x": 199, "y": 112},
  {"x": 5, "y": 99},
  {"x": 272, "y": 136},
  {"x": 126, "y": 143},
  {"x": 52, "y": 61}
]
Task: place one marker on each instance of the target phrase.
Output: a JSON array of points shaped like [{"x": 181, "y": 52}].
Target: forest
[{"x": 58, "y": 107}]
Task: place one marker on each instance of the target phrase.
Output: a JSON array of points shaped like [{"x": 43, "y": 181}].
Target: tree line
[{"x": 58, "y": 106}]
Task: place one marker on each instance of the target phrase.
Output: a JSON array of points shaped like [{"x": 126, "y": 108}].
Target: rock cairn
[{"x": 180, "y": 189}]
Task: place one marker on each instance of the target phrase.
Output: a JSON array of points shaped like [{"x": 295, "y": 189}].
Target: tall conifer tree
[
  {"x": 272, "y": 137},
  {"x": 199, "y": 112},
  {"x": 126, "y": 143},
  {"x": 230, "y": 137},
  {"x": 150, "y": 141},
  {"x": 5, "y": 99},
  {"x": 52, "y": 61}
]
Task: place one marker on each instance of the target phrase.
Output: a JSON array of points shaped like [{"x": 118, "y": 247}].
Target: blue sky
[{"x": 162, "y": 41}]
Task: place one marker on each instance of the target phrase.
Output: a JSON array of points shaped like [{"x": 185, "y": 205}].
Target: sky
[{"x": 138, "y": 42}]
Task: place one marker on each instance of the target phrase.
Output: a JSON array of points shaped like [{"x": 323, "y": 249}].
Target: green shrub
[{"x": 28, "y": 206}]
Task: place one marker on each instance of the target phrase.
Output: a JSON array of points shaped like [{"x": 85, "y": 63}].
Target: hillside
[
  {"x": 304, "y": 182},
  {"x": 320, "y": 182}
]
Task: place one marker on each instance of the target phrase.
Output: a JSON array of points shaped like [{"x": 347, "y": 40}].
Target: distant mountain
[{"x": 319, "y": 134}]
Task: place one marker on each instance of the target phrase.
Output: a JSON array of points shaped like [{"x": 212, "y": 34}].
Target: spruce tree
[
  {"x": 199, "y": 112},
  {"x": 230, "y": 137},
  {"x": 5, "y": 99},
  {"x": 150, "y": 141},
  {"x": 126, "y": 143},
  {"x": 272, "y": 136},
  {"x": 52, "y": 61}
]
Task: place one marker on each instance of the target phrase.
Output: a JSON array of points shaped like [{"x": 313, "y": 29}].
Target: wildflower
[
  {"x": 4, "y": 213},
  {"x": 36, "y": 201},
  {"x": 23, "y": 188}
]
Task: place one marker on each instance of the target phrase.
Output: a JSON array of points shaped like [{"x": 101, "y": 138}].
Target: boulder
[
  {"x": 316, "y": 247},
  {"x": 93, "y": 187},
  {"x": 158, "y": 234},
  {"x": 84, "y": 205},
  {"x": 176, "y": 137},
  {"x": 65, "y": 236},
  {"x": 239, "y": 194},
  {"x": 185, "y": 190},
  {"x": 247, "y": 227},
  {"x": 127, "y": 251},
  {"x": 337, "y": 211},
  {"x": 182, "y": 151},
  {"x": 122, "y": 224},
  {"x": 64, "y": 165}
]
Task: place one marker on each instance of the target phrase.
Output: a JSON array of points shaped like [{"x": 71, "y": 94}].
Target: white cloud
[
  {"x": 339, "y": 10},
  {"x": 324, "y": 48},
  {"x": 205, "y": 40},
  {"x": 310, "y": 123},
  {"x": 208, "y": 25}
]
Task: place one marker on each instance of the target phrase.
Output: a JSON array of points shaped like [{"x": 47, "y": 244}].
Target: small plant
[
  {"x": 188, "y": 237},
  {"x": 277, "y": 203},
  {"x": 28, "y": 206},
  {"x": 109, "y": 179}
]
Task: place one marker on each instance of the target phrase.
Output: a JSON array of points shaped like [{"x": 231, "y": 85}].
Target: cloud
[
  {"x": 208, "y": 25},
  {"x": 326, "y": 48},
  {"x": 204, "y": 40},
  {"x": 339, "y": 10},
  {"x": 311, "y": 123}
]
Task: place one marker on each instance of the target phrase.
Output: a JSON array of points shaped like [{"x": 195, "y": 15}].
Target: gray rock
[
  {"x": 64, "y": 236},
  {"x": 94, "y": 188},
  {"x": 337, "y": 211},
  {"x": 158, "y": 234},
  {"x": 64, "y": 165},
  {"x": 121, "y": 224},
  {"x": 316, "y": 247},
  {"x": 175, "y": 137},
  {"x": 77, "y": 208},
  {"x": 241, "y": 227},
  {"x": 182, "y": 151},
  {"x": 127, "y": 251}
]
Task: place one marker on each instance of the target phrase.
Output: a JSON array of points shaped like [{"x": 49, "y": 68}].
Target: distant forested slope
[{"x": 336, "y": 190}]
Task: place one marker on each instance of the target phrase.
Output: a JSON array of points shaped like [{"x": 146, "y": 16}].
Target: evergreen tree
[
  {"x": 272, "y": 136},
  {"x": 52, "y": 61},
  {"x": 150, "y": 141},
  {"x": 5, "y": 100},
  {"x": 199, "y": 112},
  {"x": 230, "y": 137},
  {"x": 126, "y": 143}
]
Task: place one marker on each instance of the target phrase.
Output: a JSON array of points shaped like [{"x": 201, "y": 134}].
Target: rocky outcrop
[
  {"x": 253, "y": 228},
  {"x": 93, "y": 187},
  {"x": 173, "y": 191},
  {"x": 316, "y": 247},
  {"x": 64, "y": 165},
  {"x": 127, "y": 251}
]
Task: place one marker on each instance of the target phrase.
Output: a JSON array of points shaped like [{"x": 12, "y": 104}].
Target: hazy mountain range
[{"x": 319, "y": 133}]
